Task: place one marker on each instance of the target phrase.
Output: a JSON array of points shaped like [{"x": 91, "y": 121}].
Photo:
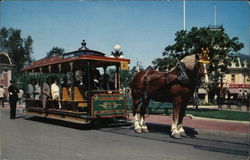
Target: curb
[
  {"x": 222, "y": 133},
  {"x": 217, "y": 120}
]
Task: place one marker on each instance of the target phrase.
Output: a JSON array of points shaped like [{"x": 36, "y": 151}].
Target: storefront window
[{"x": 233, "y": 78}]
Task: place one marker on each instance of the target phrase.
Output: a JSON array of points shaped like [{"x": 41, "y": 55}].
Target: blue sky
[{"x": 142, "y": 28}]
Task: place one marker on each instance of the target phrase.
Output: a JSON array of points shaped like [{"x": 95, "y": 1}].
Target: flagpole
[{"x": 184, "y": 15}]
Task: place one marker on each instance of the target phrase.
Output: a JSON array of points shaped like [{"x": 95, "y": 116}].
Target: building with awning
[
  {"x": 237, "y": 78},
  {"x": 5, "y": 70}
]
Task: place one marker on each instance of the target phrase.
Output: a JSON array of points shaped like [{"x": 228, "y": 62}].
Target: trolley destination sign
[{"x": 104, "y": 104}]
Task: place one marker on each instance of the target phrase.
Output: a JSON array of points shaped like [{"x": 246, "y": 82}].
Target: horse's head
[
  {"x": 203, "y": 60},
  {"x": 195, "y": 65}
]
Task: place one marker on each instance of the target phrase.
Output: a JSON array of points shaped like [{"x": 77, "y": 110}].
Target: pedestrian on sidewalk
[
  {"x": 13, "y": 98},
  {"x": 240, "y": 99},
  {"x": 196, "y": 99},
  {"x": 2, "y": 95},
  {"x": 246, "y": 99}
]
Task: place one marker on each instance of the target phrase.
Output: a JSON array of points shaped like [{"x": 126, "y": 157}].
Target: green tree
[
  {"x": 4, "y": 39},
  {"x": 125, "y": 76},
  {"x": 55, "y": 51},
  {"x": 28, "y": 49},
  {"x": 18, "y": 48},
  {"x": 221, "y": 49}
]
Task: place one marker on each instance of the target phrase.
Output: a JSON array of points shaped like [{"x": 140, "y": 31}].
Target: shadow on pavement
[
  {"x": 59, "y": 123},
  {"x": 161, "y": 133},
  {"x": 159, "y": 128},
  {"x": 19, "y": 117}
]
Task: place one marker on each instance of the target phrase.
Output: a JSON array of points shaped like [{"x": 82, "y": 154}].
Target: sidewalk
[
  {"x": 19, "y": 107},
  {"x": 224, "y": 107},
  {"x": 203, "y": 124}
]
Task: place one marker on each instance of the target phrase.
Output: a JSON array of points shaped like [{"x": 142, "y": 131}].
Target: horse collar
[{"x": 182, "y": 75}]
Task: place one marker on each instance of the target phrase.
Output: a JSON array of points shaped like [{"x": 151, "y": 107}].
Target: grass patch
[
  {"x": 220, "y": 114},
  {"x": 213, "y": 113},
  {"x": 206, "y": 113}
]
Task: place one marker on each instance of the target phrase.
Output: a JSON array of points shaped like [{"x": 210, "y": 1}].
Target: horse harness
[
  {"x": 147, "y": 82},
  {"x": 182, "y": 77}
]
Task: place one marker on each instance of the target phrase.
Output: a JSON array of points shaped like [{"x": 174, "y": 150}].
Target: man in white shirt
[
  {"x": 2, "y": 95},
  {"x": 55, "y": 92}
]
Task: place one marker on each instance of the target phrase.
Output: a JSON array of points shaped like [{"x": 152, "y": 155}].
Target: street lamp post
[
  {"x": 117, "y": 54},
  {"x": 117, "y": 51}
]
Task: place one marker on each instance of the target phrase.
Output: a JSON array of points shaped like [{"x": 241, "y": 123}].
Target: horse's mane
[{"x": 189, "y": 62}]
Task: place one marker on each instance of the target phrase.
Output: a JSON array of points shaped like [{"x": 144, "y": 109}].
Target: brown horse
[{"x": 176, "y": 86}]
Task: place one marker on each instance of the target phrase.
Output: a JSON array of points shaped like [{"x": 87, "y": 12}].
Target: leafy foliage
[
  {"x": 18, "y": 48},
  {"x": 125, "y": 76},
  {"x": 221, "y": 49},
  {"x": 55, "y": 51}
]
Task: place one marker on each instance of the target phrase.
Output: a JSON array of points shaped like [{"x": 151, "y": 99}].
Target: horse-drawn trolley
[{"x": 80, "y": 88}]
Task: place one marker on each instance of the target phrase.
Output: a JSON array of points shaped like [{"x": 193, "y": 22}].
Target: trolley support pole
[
  {"x": 89, "y": 88},
  {"x": 59, "y": 81},
  {"x": 117, "y": 77},
  {"x": 49, "y": 67},
  {"x": 72, "y": 81},
  {"x": 42, "y": 78}
]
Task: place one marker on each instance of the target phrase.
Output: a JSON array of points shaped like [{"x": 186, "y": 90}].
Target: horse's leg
[
  {"x": 142, "y": 115},
  {"x": 181, "y": 116},
  {"x": 137, "y": 125},
  {"x": 177, "y": 102}
]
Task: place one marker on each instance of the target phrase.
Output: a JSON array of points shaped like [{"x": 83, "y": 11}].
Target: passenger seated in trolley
[
  {"x": 96, "y": 79},
  {"x": 45, "y": 95},
  {"x": 107, "y": 84},
  {"x": 55, "y": 92},
  {"x": 66, "y": 82},
  {"x": 37, "y": 90},
  {"x": 30, "y": 91}
]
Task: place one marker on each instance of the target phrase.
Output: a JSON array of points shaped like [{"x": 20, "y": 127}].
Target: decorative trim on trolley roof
[{"x": 60, "y": 59}]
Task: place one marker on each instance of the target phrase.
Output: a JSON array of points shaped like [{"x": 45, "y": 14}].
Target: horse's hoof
[
  {"x": 176, "y": 136},
  {"x": 139, "y": 130},
  {"x": 145, "y": 130},
  {"x": 183, "y": 134}
]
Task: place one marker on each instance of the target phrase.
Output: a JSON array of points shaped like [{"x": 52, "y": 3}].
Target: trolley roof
[{"x": 78, "y": 59}]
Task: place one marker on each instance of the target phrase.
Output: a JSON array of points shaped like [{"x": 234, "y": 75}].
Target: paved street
[{"x": 31, "y": 138}]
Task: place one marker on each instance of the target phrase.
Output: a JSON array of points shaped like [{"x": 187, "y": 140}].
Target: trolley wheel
[{"x": 95, "y": 123}]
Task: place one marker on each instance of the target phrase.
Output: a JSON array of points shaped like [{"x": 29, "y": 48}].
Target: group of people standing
[{"x": 243, "y": 98}]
